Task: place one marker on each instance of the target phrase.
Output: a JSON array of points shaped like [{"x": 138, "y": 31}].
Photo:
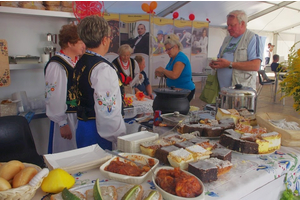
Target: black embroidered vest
[
  {"x": 70, "y": 96},
  {"x": 85, "y": 93}
]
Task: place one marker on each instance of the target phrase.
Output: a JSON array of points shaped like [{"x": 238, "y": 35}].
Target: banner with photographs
[
  {"x": 161, "y": 29},
  {"x": 183, "y": 29},
  {"x": 114, "y": 23},
  {"x": 199, "y": 47}
]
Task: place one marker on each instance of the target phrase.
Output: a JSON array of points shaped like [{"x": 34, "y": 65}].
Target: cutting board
[{"x": 4, "y": 64}]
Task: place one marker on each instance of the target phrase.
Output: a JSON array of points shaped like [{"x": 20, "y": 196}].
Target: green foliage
[{"x": 291, "y": 83}]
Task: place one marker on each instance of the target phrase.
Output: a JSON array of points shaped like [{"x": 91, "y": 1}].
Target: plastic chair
[
  {"x": 16, "y": 141},
  {"x": 264, "y": 80}
]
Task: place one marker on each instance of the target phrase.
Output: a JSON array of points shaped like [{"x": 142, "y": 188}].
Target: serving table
[{"x": 252, "y": 177}]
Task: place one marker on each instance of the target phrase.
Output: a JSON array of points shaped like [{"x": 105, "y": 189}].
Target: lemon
[
  {"x": 97, "y": 191},
  {"x": 130, "y": 192},
  {"x": 57, "y": 180},
  {"x": 67, "y": 195}
]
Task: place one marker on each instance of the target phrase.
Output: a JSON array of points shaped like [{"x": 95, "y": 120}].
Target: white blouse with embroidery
[
  {"x": 108, "y": 102},
  {"x": 56, "y": 90}
]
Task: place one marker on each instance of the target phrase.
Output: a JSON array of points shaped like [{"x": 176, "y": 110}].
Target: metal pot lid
[
  {"x": 238, "y": 90},
  {"x": 172, "y": 91}
]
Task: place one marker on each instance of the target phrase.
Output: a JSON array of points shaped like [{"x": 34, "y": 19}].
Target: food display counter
[{"x": 252, "y": 177}]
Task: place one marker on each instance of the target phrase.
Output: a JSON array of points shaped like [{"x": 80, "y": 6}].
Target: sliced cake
[
  {"x": 180, "y": 158},
  {"x": 223, "y": 166},
  {"x": 198, "y": 152},
  {"x": 162, "y": 153},
  {"x": 205, "y": 171}
]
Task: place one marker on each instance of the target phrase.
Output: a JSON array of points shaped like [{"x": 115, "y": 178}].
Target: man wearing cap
[
  {"x": 268, "y": 53},
  {"x": 157, "y": 43}
]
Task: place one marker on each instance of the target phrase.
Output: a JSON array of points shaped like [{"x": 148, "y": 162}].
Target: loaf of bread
[
  {"x": 10, "y": 169},
  {"x": 68, "y": 4},
  {"x": 4, "y": 184},
  {"x": 24, "y": 176},
  {"x": 9, "y": 3},
  {"x": 53, "y": 8},
  {"x": 32, "y": 5},
  {"x": 52, "y": 3}
]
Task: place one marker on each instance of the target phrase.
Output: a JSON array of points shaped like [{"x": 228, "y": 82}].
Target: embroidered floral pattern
[
  {"x": 3, "y": 49},
  {"x": 107, "y": 103},
  {"x": 4, "y": 79},
  {"x": 50, "y": 88}
]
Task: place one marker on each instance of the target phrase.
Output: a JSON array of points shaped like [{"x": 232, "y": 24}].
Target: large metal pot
[
  {"x": 237, "y": 97},
  {"x": 169, "y": 100}
]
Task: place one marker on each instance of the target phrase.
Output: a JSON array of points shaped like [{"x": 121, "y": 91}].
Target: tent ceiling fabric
[{"x": 271, "y": 16}]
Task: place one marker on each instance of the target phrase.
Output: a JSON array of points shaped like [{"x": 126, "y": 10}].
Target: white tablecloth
[
  {"x": 139, "y": 107},
  {"x": 251, "y": 177}
]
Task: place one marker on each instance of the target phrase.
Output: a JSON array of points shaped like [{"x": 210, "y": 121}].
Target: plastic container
[
  {"x": 125, "y": 178},
  {"x": 131, "y": 143}
]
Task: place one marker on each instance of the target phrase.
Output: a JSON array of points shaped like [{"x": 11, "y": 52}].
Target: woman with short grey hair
[
  {"x": 178, "y": 71},
  {"x": 99, "y": 97}
]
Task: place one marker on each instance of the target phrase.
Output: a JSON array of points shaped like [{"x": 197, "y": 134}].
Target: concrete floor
[{"x": 265, "y": 102}]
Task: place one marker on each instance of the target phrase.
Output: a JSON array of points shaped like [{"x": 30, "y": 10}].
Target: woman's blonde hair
[
  {"x": 125, "y": 48},
  {"x": 173, "y": 39}
]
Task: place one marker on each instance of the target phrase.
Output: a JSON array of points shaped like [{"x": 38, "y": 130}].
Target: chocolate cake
[
  {"x": 184, "y": 144},
  {"x": 162, "y": 153},
  {"x": 212, "y": 131},
  {"x": 221, "y": 153},
  {"x": 205, "y": 171},
  {"x": 223, "y": 166},
  {"x": 188, "y": 128},
  {"x": 239, "y": 145}
]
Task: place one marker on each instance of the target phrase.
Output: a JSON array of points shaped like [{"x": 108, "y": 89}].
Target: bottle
[{"x": 157, "y": 118}]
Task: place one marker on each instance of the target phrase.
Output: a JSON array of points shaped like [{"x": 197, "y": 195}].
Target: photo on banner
[
  {"x": 183, "y": 29},
  {"x": 114, "y": 23},
  {"x": 134, "y": 30},
  {"x": 199, "y": 46},
  {"x": 162, "y": 27}
]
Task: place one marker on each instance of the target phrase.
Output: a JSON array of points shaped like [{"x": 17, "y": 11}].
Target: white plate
[
  {"x": 83, "y": 188},
  {"x": 82, "y": 158},
  {"x": 252, "y": 154}
]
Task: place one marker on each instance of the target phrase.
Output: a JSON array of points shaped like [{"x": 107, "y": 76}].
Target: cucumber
[
  {"x": 67, "y": 195},
  {"x": 130, "y": 192}
]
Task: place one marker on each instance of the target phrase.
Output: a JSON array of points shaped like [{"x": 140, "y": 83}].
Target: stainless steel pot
[{"x": 238, "y": 97}]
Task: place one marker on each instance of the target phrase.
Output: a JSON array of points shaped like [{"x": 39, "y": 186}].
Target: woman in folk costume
[
  {"x": 61, "y": 105},
  {"x": 99, "y": 96}
]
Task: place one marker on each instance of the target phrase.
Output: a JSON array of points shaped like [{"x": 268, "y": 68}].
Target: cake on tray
[
  {"x": 162, "y": 153},
  {"x": 205, "y": 171},
  {"x": 223, "y": 166},
  {"x": 180, "y": 158},
  {"x": 198, "y": 152}
]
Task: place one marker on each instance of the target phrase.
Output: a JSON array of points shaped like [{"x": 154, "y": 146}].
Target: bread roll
[
  {"x": 67, "y": 4},
  {"x": 52, "y": 3},
  {"x": 10, "y": 169},
  {"x": 4, "y": 184},
  {"x": 24, "y": 176},
  {"x": 53, "y": 8}
]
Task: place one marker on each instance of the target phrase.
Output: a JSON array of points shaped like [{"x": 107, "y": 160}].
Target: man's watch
[{"x": 230, "y": 65}]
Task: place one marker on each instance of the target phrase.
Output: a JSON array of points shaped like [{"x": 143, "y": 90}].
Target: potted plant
[{"x": 290, "y": 86}]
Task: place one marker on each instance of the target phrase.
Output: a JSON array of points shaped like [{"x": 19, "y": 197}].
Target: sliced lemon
[
  {"x": 97, "y": 191},
  {"x": 67, "y": 195}
]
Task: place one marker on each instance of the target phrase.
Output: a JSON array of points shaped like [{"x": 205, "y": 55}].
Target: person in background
[
  {"x": 240, "y": 55},
  {"x": 268, "y": 53},
  {"x": 276, "y": 67},
  {"x": 127, "y": 67},
  {"x": 98, "y": 93},
  {"x": 157, "y": 42},
  {"x": 61, "y": 105},
  {"x": 178, "y": 71},
  {"x": 145, "y": 86},
  {"x": 204, "y": 41}
]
